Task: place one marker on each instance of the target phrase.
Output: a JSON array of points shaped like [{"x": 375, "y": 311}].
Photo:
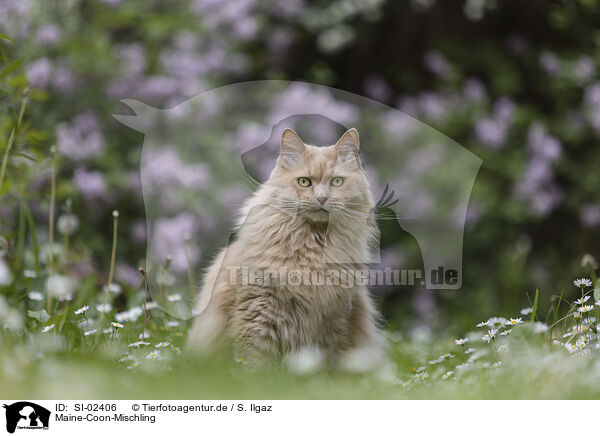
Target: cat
[{"x": 313, "y": 214}]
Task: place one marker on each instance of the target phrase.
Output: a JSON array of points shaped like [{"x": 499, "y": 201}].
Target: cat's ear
[
  {"x": 292, "y": 149},
  {"x": 347, "y": 148}
]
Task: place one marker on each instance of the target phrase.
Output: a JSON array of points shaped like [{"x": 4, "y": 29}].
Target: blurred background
[{"x": 514, "y": 82}]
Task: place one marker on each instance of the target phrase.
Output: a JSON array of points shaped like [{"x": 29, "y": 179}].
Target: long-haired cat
[{"x": 313, "y": 215}]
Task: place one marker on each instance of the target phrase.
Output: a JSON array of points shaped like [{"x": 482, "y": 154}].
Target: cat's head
[{"x": 322, "y": 183}]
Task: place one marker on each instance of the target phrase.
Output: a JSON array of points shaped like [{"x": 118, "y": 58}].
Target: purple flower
[
  {"x": 377, "y": 88},
  {"x": 504, "y": 108},
  {"x": 590, "y": 215},
  {"x": 437, "y": 64},
  {"x": 491, "y": 132},
  {"x": 549, "y": 62},
  {"x": 81, "y": 138},
  {"x": 38, "y": 72},
  {"x": 542, "y": 144},
  {"x": 431, "y": 105},
  {"x": 585, "y": 68},
  {"x": 48, "y": 34},
  {"x": 63, "y": 78},
  {"x": 168, "y": 240},
  {"x": 90, "y": 183},
  {"x": 591, "y": 95},
  {"x": 474, "y": 90},
  {"x": 133, "y": 59},
  {"x": 163, "y": 168}
]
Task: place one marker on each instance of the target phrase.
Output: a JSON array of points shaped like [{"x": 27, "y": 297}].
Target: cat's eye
[
  {"x": 337, "y": 181},
  {"x": 304, "y": 182}
]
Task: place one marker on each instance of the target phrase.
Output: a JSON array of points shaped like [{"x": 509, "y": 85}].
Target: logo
[{"x": 26, "y": 415}]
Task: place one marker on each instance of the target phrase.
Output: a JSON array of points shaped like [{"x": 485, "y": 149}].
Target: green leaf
[
  {"x": 535, "y": 303},
  {"x": 41, "y": 315},
  {"x": 10, "y": 68},
  {"x": 6, "y": 38}
]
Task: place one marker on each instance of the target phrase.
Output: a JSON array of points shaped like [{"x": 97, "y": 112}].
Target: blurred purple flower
[
  {"x": 163, "y": 168},
  {"x": 300, "y": 99},
  {"x": 63, "y": 78},
  {"x": 504, "y": 109},
  {"x": 48, "y": 34},
  {"x": 90, "y": 183},
  {"x": 474, "y": 90},
  {"x": 377, "y": 88},
  {"x": 81, "y": 138},
  {"x": 168, "y": 240},
  {"x": 158, "y": 87},
  {"x": 585, "y": 68},
  {"x": 591, "y": 95},
  {"x": 138, "y": 231},
  {"x": 250, "y": 135},
  {"x": 549, "y": 62},
  {"x": 127, "y": 274},
  {"x": 133, "y": 58},
  {"x": 112, "y": 2},
  {"x": 38, "y": 72},
  {"x": 431, "y": 105},
  {"x": 542, "y": 144},
  {"x": 436, "y": 63},
  {"x": 590, "y": 215},
  {"x": 545, "y": 200},
  {"x": 491, "y": 132}
]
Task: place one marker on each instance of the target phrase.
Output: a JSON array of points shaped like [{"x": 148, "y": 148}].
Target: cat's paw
[{"x": 307, "y": 360}]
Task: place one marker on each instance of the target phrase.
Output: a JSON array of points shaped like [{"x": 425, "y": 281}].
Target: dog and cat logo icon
[{"x": 26, "y": 415}]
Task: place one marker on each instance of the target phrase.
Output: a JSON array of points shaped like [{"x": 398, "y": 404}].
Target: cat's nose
[{"x": 321, "y": 199}]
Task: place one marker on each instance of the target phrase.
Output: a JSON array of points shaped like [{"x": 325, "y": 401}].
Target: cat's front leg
[{"x": 366, "y": 350}]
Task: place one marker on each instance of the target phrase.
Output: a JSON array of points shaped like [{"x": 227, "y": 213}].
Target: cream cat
[{"x": 314, "y": 213}]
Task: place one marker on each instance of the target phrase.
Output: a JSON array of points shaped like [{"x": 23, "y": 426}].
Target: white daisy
[
  {"x": 173, "y": 298},
  {"x": 584, "y": 309},
  {"x": 81, "y": 310},
  {"x": 47, "y": 328},
  {"x": 482, "y": 324},
  {"x": 489, "y": 336},
  {"x": 448, "y": 374},
  {"x": 514, "y": 321},
  {"x": 582, "y": 283},
  {"x": 470, "y": 351},
  {"x": 461, "y": 341},
  {"x": 138, "y": 344},
  {"x": 151, "y": 305},
  {"x": 526, "y": 311},
  {"x": 117, "y": 325},
  {"x": 506, "y": 332},
  {"x": 497, "y": 364},
  {"x": 90, "y": 332},
  {"x": 502, "y": 348},
  {"x": 582, "y": 300},
  {"x": 496, "y": 322},
  {"x": 153, "y": 355},
  {"x": 35, "y": 296},
  {"x": 421, "y": 376},
  {"x": 162, "y": 344}
]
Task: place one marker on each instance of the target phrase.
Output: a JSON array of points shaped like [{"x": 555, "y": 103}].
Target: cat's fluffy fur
[{"x": 281, "y": 228}]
